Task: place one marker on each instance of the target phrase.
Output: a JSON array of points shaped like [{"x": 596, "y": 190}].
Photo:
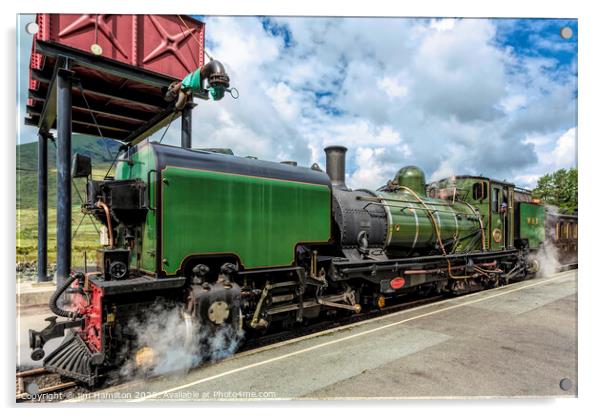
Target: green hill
[{"x": 102, "y": 152}]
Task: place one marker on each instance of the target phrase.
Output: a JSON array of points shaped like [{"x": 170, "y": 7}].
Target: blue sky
[{"x": 454, "y": 96}]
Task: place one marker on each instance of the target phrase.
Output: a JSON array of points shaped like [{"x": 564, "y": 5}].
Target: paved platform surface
[
  {"x": 34, "y": 294},
  {"x": 31, "y": 317},
  {"x": 519, "y": 340}
]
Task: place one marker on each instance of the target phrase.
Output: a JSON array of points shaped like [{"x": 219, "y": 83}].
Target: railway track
[
  {"x": 48, "y": 387},
  {"x": 39, "y": 385},
  {"x": 50, "y": 390}
]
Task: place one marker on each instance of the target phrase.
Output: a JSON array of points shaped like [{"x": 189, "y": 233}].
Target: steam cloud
[
  {"x": 177, "y": 344},
  {"x": 547, "y": 255}
]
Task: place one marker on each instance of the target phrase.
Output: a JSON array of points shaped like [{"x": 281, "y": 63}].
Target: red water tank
[{"x": 171, "y": 45}]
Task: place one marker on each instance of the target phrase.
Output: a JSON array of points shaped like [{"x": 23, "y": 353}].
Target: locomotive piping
[
  {"x": 104, "y": 206},
  {"x": 52, "y": 304},
  {"x": 417, "y": 233}
]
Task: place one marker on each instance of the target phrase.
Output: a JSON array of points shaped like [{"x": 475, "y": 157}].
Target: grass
[{"x": 86, "y": 239}]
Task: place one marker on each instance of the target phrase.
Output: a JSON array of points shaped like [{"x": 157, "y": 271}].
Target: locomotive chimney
[{"x": 335, "y": 165}]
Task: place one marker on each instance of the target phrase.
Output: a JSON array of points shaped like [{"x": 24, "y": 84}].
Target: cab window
[
  {"x": 495, "y": 200},
  {"x": 479, "y": 191}
]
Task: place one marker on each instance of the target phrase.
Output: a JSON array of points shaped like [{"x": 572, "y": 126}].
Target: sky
[{"x": 492, "y": 97}]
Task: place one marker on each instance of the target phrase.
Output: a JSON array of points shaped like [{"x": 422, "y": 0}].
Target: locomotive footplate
[{"x": 396, "y": 274}]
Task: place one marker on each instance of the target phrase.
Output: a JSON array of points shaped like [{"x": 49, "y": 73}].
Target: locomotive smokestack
[{"x": 335, "y": 165}]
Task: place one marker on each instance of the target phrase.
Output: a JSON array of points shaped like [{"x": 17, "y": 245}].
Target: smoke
[
  {"x": 168, "y": 340},
  {"x": 547, "y": 256}
]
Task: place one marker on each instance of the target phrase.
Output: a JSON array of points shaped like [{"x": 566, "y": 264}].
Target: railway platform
[
  {"x": 518, "y": 340},
  {"x": 32, "y": 294}
]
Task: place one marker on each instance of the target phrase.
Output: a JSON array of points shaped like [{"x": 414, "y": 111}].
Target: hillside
[{"x": 101, "y": 151}]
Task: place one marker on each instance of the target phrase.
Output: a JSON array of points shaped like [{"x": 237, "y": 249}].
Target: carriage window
[
  {"x": 479, "y": 191},
  {"x": 495, "y": 198},
  {"x": 559, "y": 225},
  {"x": 575, "y": 230},
  {"x": 567, "y": 231}
]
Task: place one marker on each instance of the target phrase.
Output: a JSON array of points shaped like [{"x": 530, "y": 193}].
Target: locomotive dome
[{"x": 411, "y": 177}]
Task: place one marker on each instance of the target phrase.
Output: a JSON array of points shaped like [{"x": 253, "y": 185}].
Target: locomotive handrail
[
  {"x": 421, "y": 208},
  {"x": 148, "y": 174},
  {"x": 367, "y": 198},
  {"x": 436, "y": 227}
]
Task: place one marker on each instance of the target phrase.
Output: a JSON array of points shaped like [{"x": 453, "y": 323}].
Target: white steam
[
  {"x": 547, "y": 256},
  {"x": 176, "y": 341}
]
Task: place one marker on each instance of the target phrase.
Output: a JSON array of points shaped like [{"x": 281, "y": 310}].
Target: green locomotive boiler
[{"x": 251, "y": 245}]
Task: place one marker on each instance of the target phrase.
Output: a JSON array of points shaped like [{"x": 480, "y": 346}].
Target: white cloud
[
  {"x": 554, "y": 151},
  {"x": 511, "y": 103},
  {"x": 537, "y": 140},
  {"x": 442, "y": 25},
  {"x": 393, "y": 87},
  {"x": 565, "y": 152},
  {"x": 441, "y": 94},
  {"x": 459, "y": 72},
  {"x": 369, "y": 173},
  {"x": 527, "y": 181},
  {"x": 284, "y": 101}
]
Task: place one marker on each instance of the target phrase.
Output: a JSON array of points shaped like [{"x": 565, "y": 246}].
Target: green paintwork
[
  {"x": 194, "y": 83},
  {"x": 532, "y": 227},
  {"x": 411, "y": 177},
  {"x": 261, "y": 220},
  {"x": 141, "y": 162},
  {"x": 499, "y": 220},
  {"x": 464, "y": 190},
  {"x": 411, "y": 227}
]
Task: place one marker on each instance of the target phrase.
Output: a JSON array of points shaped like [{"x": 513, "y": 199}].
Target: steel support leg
[
  {"x": 42, "y": 206},
  {"x": 187, "y": 125},
  {"x": 63, "y": 176}
]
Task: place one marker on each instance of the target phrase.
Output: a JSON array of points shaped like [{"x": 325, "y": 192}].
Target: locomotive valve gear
[{"x": 257, "y": 322}]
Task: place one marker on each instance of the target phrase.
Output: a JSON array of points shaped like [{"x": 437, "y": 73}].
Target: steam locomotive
[{"x": 248, "y": 245}]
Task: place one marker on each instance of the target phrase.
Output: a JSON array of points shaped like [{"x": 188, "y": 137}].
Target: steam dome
[{"x": 412, "y": 177}]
